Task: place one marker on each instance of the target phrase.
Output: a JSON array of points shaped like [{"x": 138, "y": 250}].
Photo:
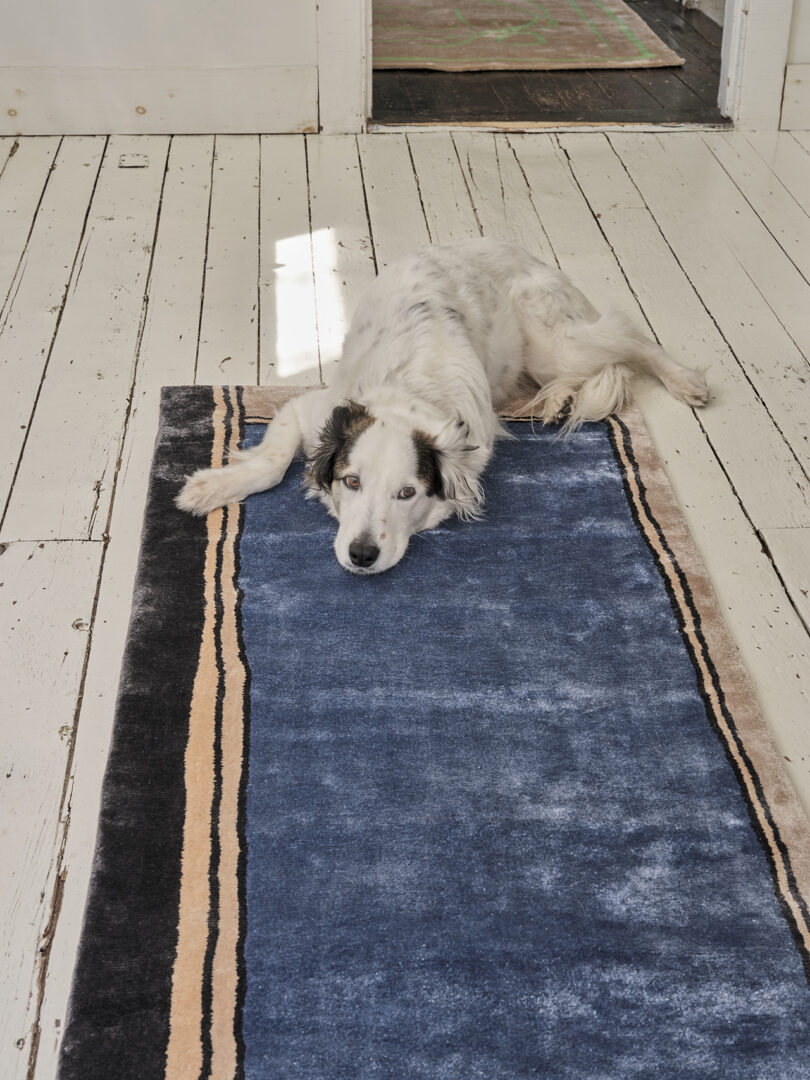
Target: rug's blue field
[{"x": 490, "y": 831}]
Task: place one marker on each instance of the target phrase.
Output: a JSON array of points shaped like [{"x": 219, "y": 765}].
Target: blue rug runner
[{"x": 508, "y": 810}]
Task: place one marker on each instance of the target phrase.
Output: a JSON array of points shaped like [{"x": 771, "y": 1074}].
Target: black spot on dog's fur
[
  {"x": 418, "y": 311},
  {"x": 337, "y": 437},
  {"x": 428, "y": 463}
]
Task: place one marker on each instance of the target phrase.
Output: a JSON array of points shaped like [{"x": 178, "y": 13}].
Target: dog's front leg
[{"x": 259, "y": 468}]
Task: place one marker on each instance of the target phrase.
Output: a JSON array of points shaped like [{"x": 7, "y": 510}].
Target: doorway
[{"x": 671, "y": 94}]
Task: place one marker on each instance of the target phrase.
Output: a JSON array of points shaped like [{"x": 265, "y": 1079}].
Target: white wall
[
  {"x": 158, "y": 33},
  {"x": 714, "y": 9},
  {"x": 796, "y": 100},
  {"x": 97, "y": 66},
  {"x": 799, "y": 45}
]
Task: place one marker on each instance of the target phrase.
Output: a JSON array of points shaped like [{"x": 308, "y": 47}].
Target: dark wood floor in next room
[{"x": 686, "y": 94}]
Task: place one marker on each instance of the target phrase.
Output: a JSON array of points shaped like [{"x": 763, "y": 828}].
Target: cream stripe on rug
[{"x": 475, "y": 35}]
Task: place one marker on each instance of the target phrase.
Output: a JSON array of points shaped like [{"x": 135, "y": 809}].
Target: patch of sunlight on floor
[
  {"x": 295, "y": 348},
  {"x": 332, "y": 316}
]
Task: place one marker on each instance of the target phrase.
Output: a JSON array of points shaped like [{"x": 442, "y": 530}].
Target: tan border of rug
[
  {"x": 514, "y": 35},
  {"x": 215, "y": 730},
  {"x": 776, "y": 813}
]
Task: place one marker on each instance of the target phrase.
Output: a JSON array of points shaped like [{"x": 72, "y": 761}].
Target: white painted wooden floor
[{"x": 130, "y": 263}]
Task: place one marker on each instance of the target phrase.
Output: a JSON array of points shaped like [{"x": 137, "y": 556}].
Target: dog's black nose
[{"x": 362, "y": 553}]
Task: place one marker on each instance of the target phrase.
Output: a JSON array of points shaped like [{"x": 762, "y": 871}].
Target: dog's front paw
[{"x": 204, "y": 492}]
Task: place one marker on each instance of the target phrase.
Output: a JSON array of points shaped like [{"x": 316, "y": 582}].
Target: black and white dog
[{"x": 438, "y": 344}]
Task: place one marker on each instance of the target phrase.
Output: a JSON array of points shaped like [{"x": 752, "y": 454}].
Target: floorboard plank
[
  {"x": 467, "y": 95},
  {"x": 772, "y": 639},
  {"x": 759, "y": 462},
  {"x": 500, "y": 193},
  {"x": 739, "y": 227},
  {"x": 392, "y": 192},
  {"x": 22, "y": 182},
  {"x": 47, "y": 602},
  {"x": 397, "y": 216},
  {"x": 702, "y": 82},
  {"x": 30, "y": 318},
  {"x": 576, "y": 93},
  {"x": 673, "y": 95},
  {"x": 696, "y": 211},
  {"x": 683, "y": 37},
  {"x": 770, "y": 200},
  {"x": 418, "y": 94},
  {"x": 787, "y": 160},
  {"x": 448, "y": 210},
  {"x": 625, "y": 92},
  {"x": 167, "y": 356},
  {"x": 288, "y": 335},
  {"x": 527, "y": 95},
  {"x": 229, "y": 328},
  {"x": 63, "y": 486},
  {"x": 341, "y": 241},
  {"x": 790, "y": 550}
]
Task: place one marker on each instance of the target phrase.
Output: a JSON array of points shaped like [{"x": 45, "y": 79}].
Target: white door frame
[
  {"x": 755, "y": 49},
  {"x": 344, "y": 65},
  {"x": 752, "y": 74}
]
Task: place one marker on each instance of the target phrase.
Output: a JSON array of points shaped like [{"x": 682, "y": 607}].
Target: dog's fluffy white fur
[{"x": 437, "y": 346}]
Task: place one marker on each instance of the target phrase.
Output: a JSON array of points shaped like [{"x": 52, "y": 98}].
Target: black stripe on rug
[
  {"x": 242, "y": 810},
  {"x": 119, "y": 1005},
  {"x": 216, "y": 802}
]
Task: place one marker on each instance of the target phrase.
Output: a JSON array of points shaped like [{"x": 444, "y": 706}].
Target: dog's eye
[
  {"x": 406, "y": 493},
  {"x": 352, "y": 482}
]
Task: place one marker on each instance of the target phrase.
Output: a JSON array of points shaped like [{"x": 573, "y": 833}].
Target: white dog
[{"x": 438, "y": 344}]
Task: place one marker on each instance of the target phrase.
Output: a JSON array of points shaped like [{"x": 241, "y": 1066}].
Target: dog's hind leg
[
  {"x": 628, "y": 344},
  {"x": 684, "y": 383},
  {"x": 252, "y": 470}
]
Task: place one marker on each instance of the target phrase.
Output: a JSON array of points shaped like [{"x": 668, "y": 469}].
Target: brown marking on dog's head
[
  {"x": 428, "y": 467},
  {"x": 337, "y": 437}
]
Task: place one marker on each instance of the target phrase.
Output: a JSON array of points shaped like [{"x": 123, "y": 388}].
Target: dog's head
[{"x": 385, "y": 479}]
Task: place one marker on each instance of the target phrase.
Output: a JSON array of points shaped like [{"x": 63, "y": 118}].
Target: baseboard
[
  {"x": 101, "y": 101},
  {"x": 796, "y": 98}
]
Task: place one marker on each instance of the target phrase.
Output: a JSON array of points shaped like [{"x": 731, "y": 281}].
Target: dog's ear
[
  {"x": 343, "y": 422},
  {"x": 428, "y": 463},
  {"x": 456, "y": 482}
]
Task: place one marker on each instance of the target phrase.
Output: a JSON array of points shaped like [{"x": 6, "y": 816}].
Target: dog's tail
[{"x": 599, "y": 359}]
